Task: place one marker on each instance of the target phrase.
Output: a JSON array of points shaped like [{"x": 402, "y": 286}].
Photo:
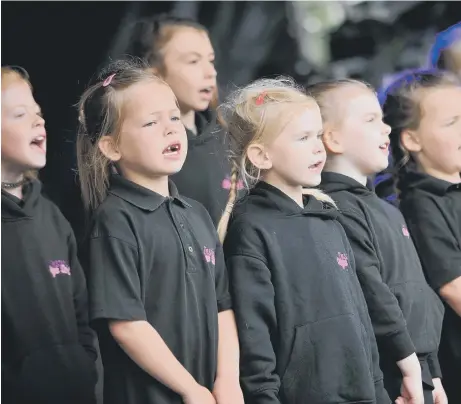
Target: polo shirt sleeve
[
  {"x": 437, "y": 246},
  {"x": 222, "y": 281},
  {"x": 114, "y": 283}
]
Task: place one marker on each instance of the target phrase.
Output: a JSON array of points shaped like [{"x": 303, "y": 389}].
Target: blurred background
[{"x": 62, "y": 44}]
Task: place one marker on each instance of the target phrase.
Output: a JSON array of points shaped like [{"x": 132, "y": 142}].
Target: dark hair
[
  {"x": 149, "y": 36},
  {"x": 402, "y": 111},
  {"x": 101, "y": 112}
]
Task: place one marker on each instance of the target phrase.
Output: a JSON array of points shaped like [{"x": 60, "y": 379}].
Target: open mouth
[
  {"x": 316, "y": 166},
  {"x": 172, "y": 150},
  {"x": 384, "y": 147},
  {"x": 207, "y": 91},
  {"x": 40, "y": 142}
]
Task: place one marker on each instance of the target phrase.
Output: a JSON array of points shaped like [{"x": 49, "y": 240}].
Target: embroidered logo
[
  {"x": 208, "y": 253},
  {"x": 226, "y": 184},
  {"x": 405, "y": 232},
  {"x": 343, "y": 260},
  {"x": 59, "y": 267}
]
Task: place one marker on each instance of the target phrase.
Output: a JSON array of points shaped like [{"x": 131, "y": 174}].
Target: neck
[
  {"x": 341, "y": 166},
  {"x": 188, "y": 120},
  {"x": 294, "y": 192},
  {"x": 12, "y": 177},
  {"x": 158, "y": 184},
  {"x": 454, "y": 178}
]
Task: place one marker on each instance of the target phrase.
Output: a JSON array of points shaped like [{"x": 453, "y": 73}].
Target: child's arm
[
  {"x": 145, "y": 346},
  {"x": 85, "y": 333},
  {"x": 116, "y": 296},
  {"x": 227, "y": 385},
  {"x": 438, "y": 249}
]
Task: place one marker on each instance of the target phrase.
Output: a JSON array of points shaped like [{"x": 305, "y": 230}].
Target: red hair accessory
[
  {"x": 108, "y": 80},
  {"x": 260, "y": 99}
]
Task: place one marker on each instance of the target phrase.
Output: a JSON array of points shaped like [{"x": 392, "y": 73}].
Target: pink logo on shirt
[
  {"x": 405, "y": 232},
  {"x": 226, "y": 184},
  {"x": 208, "y": 253},
  {"x": 59, "y": 267},
  {"x": 343, "y": 260}
]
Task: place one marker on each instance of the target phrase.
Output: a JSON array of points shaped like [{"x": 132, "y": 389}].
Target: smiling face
[
  {"x": 23, "y": 128},
  {"x": 436, "y": 143},
  {"x": 153, "y": 141},
  {"x": 360, "y": 135},
  {"x": 188, "y": 60}
]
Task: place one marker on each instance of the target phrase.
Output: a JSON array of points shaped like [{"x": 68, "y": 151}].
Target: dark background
[{"x": 62, "y": 44}]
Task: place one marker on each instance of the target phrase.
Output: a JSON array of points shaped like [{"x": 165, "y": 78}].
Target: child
[
  {"x": 180, "y": 51},
  {"x": 303, "y": 325},
  {"x": 425, "y": 114},
  {"x": 405, "y": 312},
  {"x": 157, "y": 280},
  {"x": 47, "y": 346}
]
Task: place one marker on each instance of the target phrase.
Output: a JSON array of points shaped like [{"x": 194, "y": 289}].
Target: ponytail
[{"x": 224, "y": 221}]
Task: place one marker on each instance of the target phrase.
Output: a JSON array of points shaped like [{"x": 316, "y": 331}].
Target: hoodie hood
[
  {"x": 334, "y": 182},
  {"x": 207, "y": 127},
  {"x": 14, "y": 208},
  {"x": 264, "y": 198},
  {"x": 416, "y": 180}
]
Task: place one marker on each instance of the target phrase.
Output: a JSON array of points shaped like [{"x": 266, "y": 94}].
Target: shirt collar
[{"x": 141, "y": 197}]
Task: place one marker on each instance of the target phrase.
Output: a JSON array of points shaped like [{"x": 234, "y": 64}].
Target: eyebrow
[
  {"x": 197, "y": 54},
  {"x": 159, "y": 112},
  {"x": 28, "y": 106}
]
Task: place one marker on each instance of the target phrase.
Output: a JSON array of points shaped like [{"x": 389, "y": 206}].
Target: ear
[
  {"x": 259, "y": 157},
  {"x": 109, "y": 148},
  {"x": 332, "y": 139},
  {"x": 410, "y": 141}
]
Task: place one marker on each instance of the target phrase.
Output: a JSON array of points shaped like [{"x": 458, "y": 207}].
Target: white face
[
  {"x": 297, "y": 155},
  {"x": 439, "y": 132},
  {"x": 189, "y": 68},
  {"x": 153, "y": 141},
  {"x": 23, "y": 130},
  {"x": 364, "y": 135}
]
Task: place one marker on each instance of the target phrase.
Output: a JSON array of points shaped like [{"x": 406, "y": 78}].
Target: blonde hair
[
  {"x": 10, "y": 75},
  {"x": 323, "y": 92},
  {"x": 101, "y": 112},
  {"x": 247, "y": 118}
]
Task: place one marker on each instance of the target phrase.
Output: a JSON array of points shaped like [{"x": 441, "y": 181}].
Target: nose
[
  {"x": 39, "y": 121},
  {"x": 210, "y": 70},
  {"x": 319, "y": 147}
]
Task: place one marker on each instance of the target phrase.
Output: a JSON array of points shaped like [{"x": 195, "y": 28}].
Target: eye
[
  {"x": 304, "y": 138},
  {"x": 152, "y": 123},
  {"x": 193, "y": 62},
  {"x": 19, "y": 115},
  {"x": 320, "y": 135},
  {"x": 451, "y": 122},
  {"x": 212, "y": 61},
  {"x": 370, "y": 119},
  {"x": 175, "y": 118}
]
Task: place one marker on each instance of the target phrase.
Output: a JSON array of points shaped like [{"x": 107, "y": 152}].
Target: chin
[{"x": 313, "y": 182}]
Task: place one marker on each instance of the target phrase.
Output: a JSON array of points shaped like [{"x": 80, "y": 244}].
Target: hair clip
[
  {"x": 108, "y": 80},
  {"x": 260, "y": 99}
]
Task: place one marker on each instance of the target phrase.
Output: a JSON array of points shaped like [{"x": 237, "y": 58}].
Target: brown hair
[
  {"x": 11, "y": 74},
  {"x": 402, "y": 111},
  {"x": 149, "y": 36},
  {"x": 101, "y": 112},
  {"x": 255, "y": 113}
]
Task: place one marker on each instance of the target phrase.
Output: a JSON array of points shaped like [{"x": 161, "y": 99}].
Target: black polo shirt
[
  {"x": 432, "y": 208},
  {"x": 155, "y": 259}
]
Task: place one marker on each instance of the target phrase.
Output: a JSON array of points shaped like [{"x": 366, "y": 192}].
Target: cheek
[{"x": 181, "y": 78}]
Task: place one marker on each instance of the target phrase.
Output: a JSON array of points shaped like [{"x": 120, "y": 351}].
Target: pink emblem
[
  {"x": 59, "y": 267},
  {"x": 226, "y": 184},
  {"x": 343, "y": 260},
  {"x": 405, "y": 232},
  {"x": 209, "y": 255}
]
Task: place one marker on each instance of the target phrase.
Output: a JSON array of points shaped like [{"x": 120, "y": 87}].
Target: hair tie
[
  {"x": 108, "y": 80},
  {"x": 260, "y": 99}
]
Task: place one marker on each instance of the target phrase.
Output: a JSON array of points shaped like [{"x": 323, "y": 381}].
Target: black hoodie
[
  {"x": 47, "y": 346},
  {"x": 406, "y": 313},
  {"x": 305, "y": 334},
  {"x": 205, "y": 176},
  {"x": 432, "y": 208}
]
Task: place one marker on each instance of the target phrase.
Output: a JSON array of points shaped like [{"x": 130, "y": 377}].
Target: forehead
[
  {"x": 149, "y": 97},
  {"x": 188, "y": 40},
  {"x": 304, "y": 118},
  {"x": 16, "y": 92},
  {"x": 441, "y": 101},
  {"x": 358, "y": 101}
]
